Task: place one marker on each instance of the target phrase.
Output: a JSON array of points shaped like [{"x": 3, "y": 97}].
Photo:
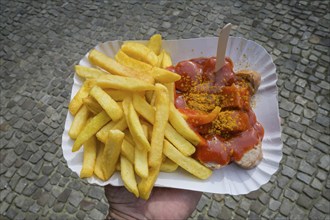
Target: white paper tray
[{"x": 231, "y": 179}]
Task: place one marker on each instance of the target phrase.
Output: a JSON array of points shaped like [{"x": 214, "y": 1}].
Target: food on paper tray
[
  {"x": 217, "y": 106},
  {"x": 137, "y": 114},
  {"x": 125, "y": 119}
]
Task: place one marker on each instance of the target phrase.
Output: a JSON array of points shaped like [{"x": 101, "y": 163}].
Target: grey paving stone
[
  {"x": 64, "y": 195},
  {"x": 43, "y": 41}
]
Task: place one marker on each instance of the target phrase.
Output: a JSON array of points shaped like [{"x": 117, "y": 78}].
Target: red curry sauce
[{"x": 226, "y": 135}]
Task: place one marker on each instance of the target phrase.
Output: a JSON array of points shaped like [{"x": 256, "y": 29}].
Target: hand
[{"x": 163, "y": 203}]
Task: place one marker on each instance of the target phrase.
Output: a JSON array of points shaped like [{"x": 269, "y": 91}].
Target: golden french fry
[
  {"x": 148, "y": 112},
  {"x": 164, "y": 76},
  {"x": 134, "y": 125},
  {"x": 88, "y": 72},
  {"x": 141, "y": 158},
  {"x": 162, "y": 104},
  {"x": 144, "y": 108},
  {"x": 98, "y": 164},
  {"x": 127, "y": 175},
  {"x": 127, "y": 149},
  {"x": 171, "y": 90},
  {"x": 92, "y": 105},
  {"x": 122, "y": 83},
  {"x": 145, "y": 185},
  {"x": 180, "y": 124},
  {"x": 160, "y": 59},
  {"x": 168, "y": 166},
  {"x": 167, "y": 61},
  {"x": 89, "y": 160},
  {"x": 140, "y": 52},
  {"x": 111, "y": 152},
  {"x": 90, "y": 129},
  {"x": 109, "y": 105},
  {"x": 159, "y": 74},
  {"x": 189, "y": 164},
  {"x": 102, "y": 134},
  {"x": 184, "y": 146},
  {"x": 79, "y": 121},
  {"x": 117, "y": 95},
  {"x": 112, "y": 66},
  {"x": 155, "y": 43},
  {"x": 132, "y": 63},
  {"x": 77, "y": 102}
]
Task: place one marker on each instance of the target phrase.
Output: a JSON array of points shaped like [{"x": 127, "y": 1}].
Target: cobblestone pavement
[{"x": 41, "y": 41}]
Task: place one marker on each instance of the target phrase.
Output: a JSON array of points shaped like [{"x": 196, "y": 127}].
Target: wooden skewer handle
[{"x": 222, "y": 45}]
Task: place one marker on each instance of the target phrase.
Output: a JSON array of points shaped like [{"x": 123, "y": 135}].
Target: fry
[
  {"x": 159, "y": 74},
  {"x": 102, "y": 134},
  {"x": 148, "y": 112},
  {"x": 88, "y": 72},
  {"x": 117, "y": 95},
  {"x": 98, "y": 164},
  {"x": 180, "y": 124},
  {"x": 160, "y": 58},
  {"x": 127, "y": 175},
  {"x": 110, "y": 106},
  {"x": 155, "y": 43},
  {"x": 140, "y": 52},
  {"x": 171, "y": 90},
  {"x": 90, "y": 147},
  {"x": 132, "y": 63},
  {"x": 145, "y": 185},
  {"x": 168, "y": 166},
  {"x": 77, "y": 102},
  {"x": 99, "y": 59},
  {"x": 111, "y": 152},
  {"x": 141, "y": 158},
  {"x": 161, "y": 117},
  {"x": 92, "y": 105},
  {"x": 127, "y": 149},
  {"x": 79, "y": 121},
  {"x": 122, "y": 83},
  {"x": 143, "y": 108},
  {"x": 187, "y": 163},
  {"x": 90, "y": 129},
  {"x": 167, "y": 61},
  {"x": 134, "y": 125},
  {"x": 164, "y": 76},
  {"x": 184, "y": 146}
]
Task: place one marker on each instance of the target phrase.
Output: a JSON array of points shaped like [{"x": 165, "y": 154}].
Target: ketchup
[{"x": 199, "y": 91}]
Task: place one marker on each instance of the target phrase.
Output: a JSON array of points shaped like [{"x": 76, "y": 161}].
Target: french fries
[
  {"x": 111, "y": 152},
  {"x": 141, "y": 158},
  {"x": 126, "y": 121},
  {"x": 79, "y": 122},
  {"x": 109, "y": 105},
  {"x": 103, "y": 61},
  {"x": 162, "y": 105},
  {"x": 77, "y": 100},
  {"x": 90, "y": 129},
  {"x": 90, "y": 147},
  {"x": 128, "y": 176},
  {"x": 155, "y": 43},
  {"x": 88, "y": 72},
  {"x": 140, "y": 52},
  {"x": 187, "y": 163}
]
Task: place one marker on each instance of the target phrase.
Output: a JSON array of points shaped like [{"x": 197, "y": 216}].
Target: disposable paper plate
[{"x": 231, "y": 179}]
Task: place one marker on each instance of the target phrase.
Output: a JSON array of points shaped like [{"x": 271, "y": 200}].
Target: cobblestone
[{"x": 41, "y": 42}]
